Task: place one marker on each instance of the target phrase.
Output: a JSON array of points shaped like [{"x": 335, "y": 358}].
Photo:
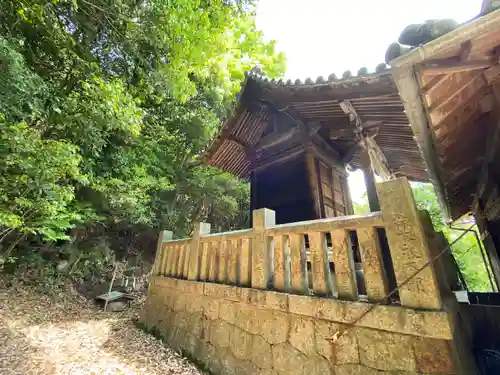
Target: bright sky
[{"x": 320, "y": 37}]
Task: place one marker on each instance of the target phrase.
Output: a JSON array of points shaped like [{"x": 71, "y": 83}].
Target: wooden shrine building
[
  {"x": 295, "y": 140},
  {"x": 450, "y": 88}
]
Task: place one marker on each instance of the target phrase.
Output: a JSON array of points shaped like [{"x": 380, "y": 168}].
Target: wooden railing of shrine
[{"x": 275, "y": 257}]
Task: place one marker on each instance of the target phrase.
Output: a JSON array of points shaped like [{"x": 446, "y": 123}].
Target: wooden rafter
[
  {"x": 456, "y": 100},
  {"x": 232, "y": 138},
  {"x": 465, "y": 114},
  {"x": 437, "y": 80},
  {"x": 434, "y": 83},
  {"x": 437, "y": 105}
]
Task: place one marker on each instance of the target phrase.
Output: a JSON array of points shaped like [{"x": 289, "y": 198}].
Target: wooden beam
[
  {"x": 378, "y": 159},
  {"x": 290, "y": 154},
  {"x": 329, "y": 156},
  {"x": 276, "y": 138},
  {"x": 447, "y": 66},
  {"x": 341, "y": 133},
  {"x": 349, "y": 155}
]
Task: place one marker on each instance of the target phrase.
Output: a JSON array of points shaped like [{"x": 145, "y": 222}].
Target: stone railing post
[
  {"x": 408, "y": 245},
  {"x": 200, "y": 229},
  {"x": 160, "y": 256},
  {"x": 261, "y": 253}
]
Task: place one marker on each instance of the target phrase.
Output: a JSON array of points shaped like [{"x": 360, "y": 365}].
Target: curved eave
[{"x": 405, "y": 75}]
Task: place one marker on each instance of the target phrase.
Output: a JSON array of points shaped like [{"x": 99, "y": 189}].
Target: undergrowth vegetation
[{"x": 105, "y": 110}]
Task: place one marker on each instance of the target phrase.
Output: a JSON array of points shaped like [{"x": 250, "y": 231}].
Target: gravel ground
[{"x": 68, "y": 335}]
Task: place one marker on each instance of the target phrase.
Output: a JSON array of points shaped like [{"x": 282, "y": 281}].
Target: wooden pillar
[
  {"x": 371, "y": 189},
  {"x": 313, "y": 177},
  {"x": 253, "y": 194}
]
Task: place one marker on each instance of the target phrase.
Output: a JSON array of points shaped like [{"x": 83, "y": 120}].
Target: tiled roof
[{"x": 374, "y": 96}]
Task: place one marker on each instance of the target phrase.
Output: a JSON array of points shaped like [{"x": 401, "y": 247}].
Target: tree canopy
[{"x": 106, "y": 107}]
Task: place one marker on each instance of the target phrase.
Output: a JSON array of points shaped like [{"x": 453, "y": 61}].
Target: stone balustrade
[
  {"x": 275, "y": 257},
  {"x": 285, "y": 299}
]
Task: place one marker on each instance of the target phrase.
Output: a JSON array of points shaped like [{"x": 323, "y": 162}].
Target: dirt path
[{"x": 41, "y": 336}]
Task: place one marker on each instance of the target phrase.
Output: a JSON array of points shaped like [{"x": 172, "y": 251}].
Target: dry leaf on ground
[{"x": 69, "y": 336}]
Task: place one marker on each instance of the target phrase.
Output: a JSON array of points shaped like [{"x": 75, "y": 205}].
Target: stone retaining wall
[{"x": 234, "y": 330}]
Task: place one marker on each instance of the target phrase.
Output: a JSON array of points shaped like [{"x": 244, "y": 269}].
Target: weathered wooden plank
[
  {"x": 232, "y": 263},
  {"x": 245, "y": 259},
  {"x": 205, "y": 261},
  {"x": 279, "y": 263},
  {"x": 319, "y": 264},
  {"x": 447, "y": 66},
  {"x": 298, "y": 272},
  {"x": 373, "y": 268},
  {"x": 344, "y": 265}
]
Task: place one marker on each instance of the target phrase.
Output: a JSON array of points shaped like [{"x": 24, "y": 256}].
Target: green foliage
[
  {"x": 466, "y": 251},
  {"x": 37, "y": 179},
  {"x": 107, "y": 107},
  {"x": 22, "y": 92}
]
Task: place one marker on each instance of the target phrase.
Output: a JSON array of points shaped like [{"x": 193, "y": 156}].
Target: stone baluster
[
  {"x": 344, "y": 265},
  {"x": 319, "y": 263},
  {"x": 195, "y": 250},
  {"x": 161, "y": 253},
  {"x": 373, "y": 268},
  {"x": 298, "y": 271},
  {"x": 261, "y": 255}
]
